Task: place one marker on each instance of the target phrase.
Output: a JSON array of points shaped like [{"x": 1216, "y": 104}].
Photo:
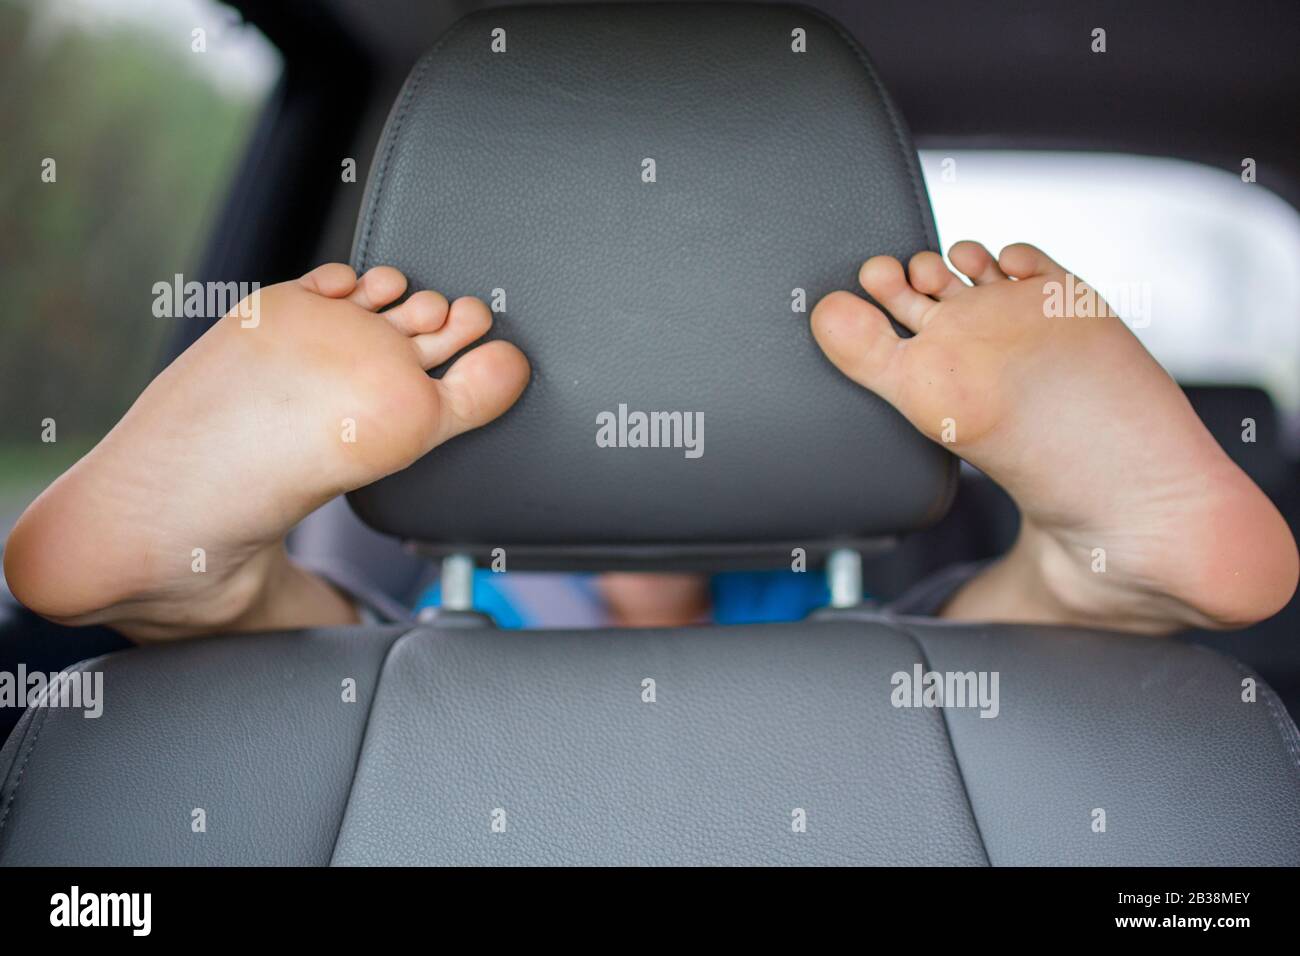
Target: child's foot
[
  {"x": 1132, "y": 516},
  {"x": 173, "y": 524}
]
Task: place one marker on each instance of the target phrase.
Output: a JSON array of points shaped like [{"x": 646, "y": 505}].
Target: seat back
[{"x": 763, "y": 744}]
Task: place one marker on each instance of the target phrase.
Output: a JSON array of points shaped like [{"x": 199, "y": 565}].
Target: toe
[
  {"x": 1022, "y": 260},
  {"x": 424, "y": 312},
  {"x": 333, "y": 279},
  {"x": 975, "y": 262},
  {"x": 883, "y": 278},
  {"x": 929, "y": 274},
  {"x": 480, "y": 386},
  {"x": 467, "y": 319},
  {"x": 859, "y": 341},
  {"x": 378, "y": 287}
]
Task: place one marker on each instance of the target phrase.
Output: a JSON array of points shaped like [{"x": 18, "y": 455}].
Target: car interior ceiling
[{"x": 962, "y": 79}]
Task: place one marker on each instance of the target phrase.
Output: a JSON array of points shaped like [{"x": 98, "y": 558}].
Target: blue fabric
[
  {"x": 739, "y": 597},
  {"x": 758, "y": 597}
]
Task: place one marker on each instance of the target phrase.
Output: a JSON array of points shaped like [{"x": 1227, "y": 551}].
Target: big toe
[
  {"x": 858, "y": 340},
  {"x": 480, "y": 386}
]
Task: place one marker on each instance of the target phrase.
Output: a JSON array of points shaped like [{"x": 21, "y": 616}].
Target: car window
[
  {"x": 122, "y": 123},
  {"x": 1199, "y": 261}
]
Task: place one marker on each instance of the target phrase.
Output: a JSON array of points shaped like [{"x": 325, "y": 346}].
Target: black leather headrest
[{"x": 522, "y": 173}]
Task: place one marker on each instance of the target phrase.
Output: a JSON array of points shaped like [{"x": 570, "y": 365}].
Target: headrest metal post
[
  {"x": 458, "y": 582},
  {"x": 844, "y": 577}
]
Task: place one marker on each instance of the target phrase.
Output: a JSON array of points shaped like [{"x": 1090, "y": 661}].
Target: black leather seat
[
  {"x": 750, "y": 725},
  {"x": 454, "y": 742}
]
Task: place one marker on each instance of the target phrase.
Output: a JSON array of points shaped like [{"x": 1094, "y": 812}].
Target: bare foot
[
  {"x": 174, "y": 523},
  {"x": 1132, "y": 516}
]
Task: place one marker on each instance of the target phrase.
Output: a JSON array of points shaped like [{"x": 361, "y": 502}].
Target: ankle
[
  {"x": 289, "y": 597},
  {"x": 268, "y": 592}
]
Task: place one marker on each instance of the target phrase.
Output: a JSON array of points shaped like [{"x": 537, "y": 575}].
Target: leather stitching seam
[
  {"x": 381, "y": 180},
  {"x": 365, "y": 730},
  {"x": 1281, "y": 721},
  {"x": 895, "y": 124},
  {"x": 33, "y": 734},
  {"x": 947, "y": 734}
]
